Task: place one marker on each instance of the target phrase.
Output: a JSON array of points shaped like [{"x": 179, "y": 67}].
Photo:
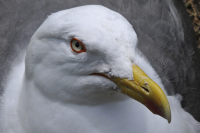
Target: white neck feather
[{"x": 29, "y": 111}]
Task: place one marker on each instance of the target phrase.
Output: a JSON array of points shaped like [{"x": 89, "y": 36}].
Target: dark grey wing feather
[{"x": 163, "y": 27}]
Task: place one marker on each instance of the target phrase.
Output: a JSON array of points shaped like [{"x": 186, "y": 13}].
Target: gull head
[{"x": 85, "y": 55}]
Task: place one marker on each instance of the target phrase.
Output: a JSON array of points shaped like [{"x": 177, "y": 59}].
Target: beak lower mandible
[{"x": 146, "y": 91}]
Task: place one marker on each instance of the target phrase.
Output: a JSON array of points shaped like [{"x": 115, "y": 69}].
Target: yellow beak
[{"x": 145, "y": 91}]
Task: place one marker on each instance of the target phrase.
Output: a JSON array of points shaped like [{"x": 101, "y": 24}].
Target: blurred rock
[{"x": 193, "y": 8}]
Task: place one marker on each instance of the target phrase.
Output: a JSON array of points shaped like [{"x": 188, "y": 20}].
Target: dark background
[{"x": 193, "y": 8}]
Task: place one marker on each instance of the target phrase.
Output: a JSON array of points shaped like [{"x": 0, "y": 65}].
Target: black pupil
[{"x": 77, "y": 44}]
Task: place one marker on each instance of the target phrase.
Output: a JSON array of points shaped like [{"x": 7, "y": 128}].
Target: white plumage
[{"x": 55, "y": 91}]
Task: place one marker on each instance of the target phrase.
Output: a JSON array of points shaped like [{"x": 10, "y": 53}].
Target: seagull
[{"x": 83, "y": 71}]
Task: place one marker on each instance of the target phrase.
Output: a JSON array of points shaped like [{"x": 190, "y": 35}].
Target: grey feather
[{"x": 163, "y": 27}]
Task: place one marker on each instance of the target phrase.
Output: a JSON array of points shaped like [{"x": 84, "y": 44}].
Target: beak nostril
[{"x": 147, "y": 90}]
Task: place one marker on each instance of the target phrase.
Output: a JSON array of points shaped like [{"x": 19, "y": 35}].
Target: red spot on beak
[{"x": 153, "y": 108}]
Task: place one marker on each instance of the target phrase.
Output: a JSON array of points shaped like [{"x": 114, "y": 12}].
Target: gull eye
[{"x": 77, "y": 46}]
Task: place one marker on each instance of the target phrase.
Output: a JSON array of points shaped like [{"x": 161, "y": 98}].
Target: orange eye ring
[{"x": 77, "y": 46}]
